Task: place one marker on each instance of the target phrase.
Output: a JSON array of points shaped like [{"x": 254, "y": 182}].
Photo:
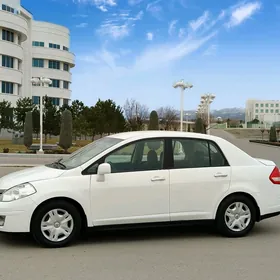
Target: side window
[
  {"x": 196, "y": 153},
  {"x": 217, "y": 158},
  {"x": 140, "y": 156}
]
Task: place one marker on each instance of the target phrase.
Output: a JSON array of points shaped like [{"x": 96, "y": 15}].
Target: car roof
[{"x": 161, "y": 133}]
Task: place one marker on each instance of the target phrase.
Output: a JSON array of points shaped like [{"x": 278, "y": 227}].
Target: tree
[
  {"x": 189, "y": 127},
  {"x": 23, "y": 106},
  {"x": 272, "y": 134},
  {"x": 77, "y": 109},
  {"x": 36, "y": 120},
  {"x": 51, "y": 118},
  {"x": 168, "y": 116},
  {"x": 66, "y": 128},
  {"x": 109, "y": 117},
  {"x": 136, "y": 114},
  {"x": 28, "y": 130},
  {"x": 6, "y": 115},
  {"x": 153, "y": 123},
  {"x": 199, "y": 126}
]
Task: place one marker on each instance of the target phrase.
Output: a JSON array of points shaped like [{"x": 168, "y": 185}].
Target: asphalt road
[{"x": 183, "y": 253}]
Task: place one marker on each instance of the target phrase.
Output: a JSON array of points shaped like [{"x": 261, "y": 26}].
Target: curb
[
  {"x": 18, "y": 165},
  {"x": 271, "y": 146}
]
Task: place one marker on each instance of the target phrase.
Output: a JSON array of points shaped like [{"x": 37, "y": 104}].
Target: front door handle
[
  {"x": 154, "y": 179},
  {"x": 220, "y": 175}
]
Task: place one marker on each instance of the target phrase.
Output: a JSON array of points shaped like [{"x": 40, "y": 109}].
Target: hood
[
  {"x": 29, "y": 175},
  {"x": 266, "y": 162}
]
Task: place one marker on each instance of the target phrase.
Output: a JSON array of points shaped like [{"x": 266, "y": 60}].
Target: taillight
[{"x": 275, "y": 176}]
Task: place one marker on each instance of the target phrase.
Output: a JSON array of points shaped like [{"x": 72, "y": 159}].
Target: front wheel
[
  {"x": 236, "y": 216},
  {"x": 56, "y": 224}
]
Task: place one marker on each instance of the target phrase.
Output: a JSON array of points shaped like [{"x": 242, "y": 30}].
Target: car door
[
  {"x": 199, "y": 178},
  {"x": 136, "y": 190}
]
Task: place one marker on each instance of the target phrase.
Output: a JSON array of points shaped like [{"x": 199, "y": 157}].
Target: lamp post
[
  {"x": 41, "y": 82},
  {"x": 182, "y": 85},
  {"x": 206, "y": 100}
]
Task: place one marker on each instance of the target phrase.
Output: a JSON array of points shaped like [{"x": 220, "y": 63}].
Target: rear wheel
[
  {"x": 56, "y": 224},
  {"x": 236, "y": 216}
]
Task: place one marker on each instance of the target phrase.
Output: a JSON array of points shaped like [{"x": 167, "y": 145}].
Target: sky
[{"x": 137, "y": 49}]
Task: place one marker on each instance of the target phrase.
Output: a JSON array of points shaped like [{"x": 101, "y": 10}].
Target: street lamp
[
  {"x": 182, "y": 85},
  {"x": 206, "y": 100},
  {"x": 41, "y": 82}
]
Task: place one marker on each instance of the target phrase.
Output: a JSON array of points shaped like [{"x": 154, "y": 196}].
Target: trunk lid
[{"x": 266, "y": 162}]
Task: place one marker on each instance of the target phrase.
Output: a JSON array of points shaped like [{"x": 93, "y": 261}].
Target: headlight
[{"x": 17, "y": 192}]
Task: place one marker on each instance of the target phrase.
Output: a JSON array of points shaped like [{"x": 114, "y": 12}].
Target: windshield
[{"x": 86, "y": 153}]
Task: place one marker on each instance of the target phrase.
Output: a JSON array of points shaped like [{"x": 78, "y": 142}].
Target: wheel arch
[
  {"x": 244, "y": 194},
  {"x": 69, "y": 200}
]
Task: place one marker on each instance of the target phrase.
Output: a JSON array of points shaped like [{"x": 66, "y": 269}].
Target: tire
[
  {"x": 62, "y": 224},
  {"x": 230, "y": 221}
]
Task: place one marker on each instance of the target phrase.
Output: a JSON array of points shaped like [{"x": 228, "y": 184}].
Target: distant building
[
  {"x": 30, "y": 48},
  {"x": 266, "y": 111}
]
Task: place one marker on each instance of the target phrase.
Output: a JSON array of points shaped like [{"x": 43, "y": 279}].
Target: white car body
[{"x": 166, "y": 195}]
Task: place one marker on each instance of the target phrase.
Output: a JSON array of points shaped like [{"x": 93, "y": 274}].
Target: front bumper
[{"x": 16, "y": 215}]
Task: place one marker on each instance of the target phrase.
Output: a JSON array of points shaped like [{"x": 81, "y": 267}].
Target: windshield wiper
[{"x": 58, "y": 164}]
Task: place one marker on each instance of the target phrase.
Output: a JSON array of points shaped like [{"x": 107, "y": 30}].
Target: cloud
[
  {"x": 171, "y": 26},
  {"x": 199, "y": 22},
  {"x": 150, "y": 36},
  {"x": 134, "y": 2},
  {"x": 119, "y": 25},
  {"x": 82, "y": 25},
  {"x": 212, "y": 50},
  {"x": 99, "y": 4},
  {"x": 242, "y": 13},
  {"x": 155, "y": 9}
]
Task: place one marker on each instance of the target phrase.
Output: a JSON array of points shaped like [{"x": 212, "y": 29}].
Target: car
[{"x": 142, "y": 178}]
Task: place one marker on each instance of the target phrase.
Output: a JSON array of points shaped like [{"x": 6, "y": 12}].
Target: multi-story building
[
  {"x": 30, "y": 48},
  {"x": 266, "y": 111}
]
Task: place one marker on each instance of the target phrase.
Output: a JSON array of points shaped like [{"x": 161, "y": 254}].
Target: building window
[
  {"x": 55, "y": 83},
  {"x": 36, "y": 99},
  {"x": 266, "y": 105},
  {"x": 38, "y": 44},
  {"x": 271, "y": 111},
  {"x": 65, "y": 84},
  {"x": 266, "y": 110},
  {"x": 8, "y": 35},
  {"x": 277, "y": 105},
  {"x": 7, "y": 61},
  {"x": 257, "y": 105},
  {"x": 65, "y": 48},
  {"x": 261, "y": 110},
  {"x": 271, "y": 105},
  {"x": 54, "y": 46},
  {"x": 257, "y": 110},
  {"x": 256, "y": 116},
  {"x": 65, "y": 101},
  {"x": 65, "y": 66},
  {"x": 7, "y": 87},
  {"x": 261, "y": 105},
  {"x": 53, "y": 64},
  {"x": 55, "y": 101},
  {"x": 277, "y": 111},
  {"x": 38, "y": 62},
  {"x": 8, "y": 8}
]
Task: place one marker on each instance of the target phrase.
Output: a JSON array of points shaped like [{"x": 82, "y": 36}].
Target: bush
[
  {"x": 65, "y": 138},
  {"x": 199, "y": 126},
  {"x": 28, "y": 130},
  {"x": 153, "y": 123},
  {"x": 272, "y": 134},
  {"x": 6, "y": 150}
]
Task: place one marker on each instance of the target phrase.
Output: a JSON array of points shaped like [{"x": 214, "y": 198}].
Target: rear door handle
[
  {"x": 154, "y": 179},
  {"x": 220, "y": 175}
]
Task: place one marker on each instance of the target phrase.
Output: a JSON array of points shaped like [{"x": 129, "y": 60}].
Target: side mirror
[{"x": 104, "y": 168}]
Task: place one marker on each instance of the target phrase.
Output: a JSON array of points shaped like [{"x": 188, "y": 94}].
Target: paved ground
[{"x": 184, "y": 253}]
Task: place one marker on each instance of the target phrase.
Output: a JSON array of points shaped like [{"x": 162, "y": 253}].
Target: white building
[
  {"x": 30, "y": 48},
  {"x": 266, "y": 111}
]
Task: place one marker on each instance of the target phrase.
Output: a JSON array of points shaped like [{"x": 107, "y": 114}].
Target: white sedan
[{"x": 141, "y": 178}]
